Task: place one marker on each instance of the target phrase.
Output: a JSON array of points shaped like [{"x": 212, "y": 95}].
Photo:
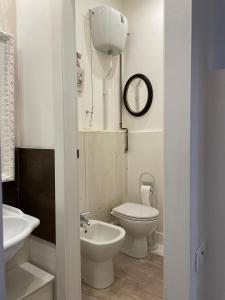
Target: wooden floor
[{"x": 136, "y": 279}]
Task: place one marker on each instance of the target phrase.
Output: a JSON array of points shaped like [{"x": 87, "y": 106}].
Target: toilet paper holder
[
  {"x": 146, "y": 183},
  {"x": 144, "y": 179},
  {"x": 147, "y": 179}
]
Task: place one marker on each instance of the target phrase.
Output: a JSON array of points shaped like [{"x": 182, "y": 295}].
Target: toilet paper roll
[{"x": 146, "y": 191}]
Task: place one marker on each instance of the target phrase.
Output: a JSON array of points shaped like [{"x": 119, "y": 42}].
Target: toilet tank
[{"x": 109, "y": 29}]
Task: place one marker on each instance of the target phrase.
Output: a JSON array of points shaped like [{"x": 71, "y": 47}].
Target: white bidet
[{"x": 100, "y": 241}]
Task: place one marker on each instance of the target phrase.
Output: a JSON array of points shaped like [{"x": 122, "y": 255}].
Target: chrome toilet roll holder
[{"x": 146, "y": 178}]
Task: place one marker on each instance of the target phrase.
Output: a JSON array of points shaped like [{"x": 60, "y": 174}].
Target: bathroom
[
  {"x": 88, "y": 136},
  {"x": 116, "y": 165},
  {"x": 121, "y": 151}
]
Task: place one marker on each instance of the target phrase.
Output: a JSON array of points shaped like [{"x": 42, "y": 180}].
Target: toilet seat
[{"x": 135, "y": 212}]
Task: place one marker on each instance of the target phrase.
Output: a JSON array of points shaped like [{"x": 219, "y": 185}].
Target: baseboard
[
  {"x": 42, "y": 254},
  {"x": 159, "y": 249},
  {"x": 29, "y": 282},
  {"x": 21, "y": 257}
]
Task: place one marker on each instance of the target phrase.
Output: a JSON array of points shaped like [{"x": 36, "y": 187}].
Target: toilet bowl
[
  {"x": 100, "y": 241},
  {"x": 139, "y": 221}
]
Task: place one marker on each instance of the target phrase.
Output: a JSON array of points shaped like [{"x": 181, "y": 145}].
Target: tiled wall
[
  {"x": 103, "y": 172},
  {"x": 103, "y": 179},
  {"x": 33, "y": 191}
]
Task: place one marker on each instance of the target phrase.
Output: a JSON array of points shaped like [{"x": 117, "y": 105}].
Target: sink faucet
[{"x": 84, "y": 220}]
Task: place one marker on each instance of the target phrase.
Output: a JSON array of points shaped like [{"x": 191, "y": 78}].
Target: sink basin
[{"x": 17, "y": 226}]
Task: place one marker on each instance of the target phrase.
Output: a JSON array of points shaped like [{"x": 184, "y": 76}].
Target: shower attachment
[{"x": 109, "y": 31}]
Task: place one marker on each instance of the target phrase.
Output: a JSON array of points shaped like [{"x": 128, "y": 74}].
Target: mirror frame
[{"x": 150, "y": 95}]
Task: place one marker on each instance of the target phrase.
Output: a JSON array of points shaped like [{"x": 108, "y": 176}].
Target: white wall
[
  {"x": 35, "y": 109},
  {"x": 207, "y": 147},
  {"x": 146, "y": 155},
  {"x": 31, "y": 25},
  {"x": 8, "y": 24},
  {"x": 8, "y": 16},
  {"x": 216, "y": 31},
  {"x": 144, "y": 54},
  {"x": 215, "y": 205},
  {"x": 101, "y": 64}
]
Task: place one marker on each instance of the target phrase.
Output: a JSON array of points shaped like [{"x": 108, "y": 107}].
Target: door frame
[
  {"x": 177, "y": 54},
  {"x": 176, "y": 145},
  {"x": 68, "y": 271},
  {"x": 2, "y": 263},
  {"x": 177, "y": 142}
]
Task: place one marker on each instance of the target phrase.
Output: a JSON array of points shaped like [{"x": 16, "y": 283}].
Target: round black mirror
[{"x": 138, "y": 95}]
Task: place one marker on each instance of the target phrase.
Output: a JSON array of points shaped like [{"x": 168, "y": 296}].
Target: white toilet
[
  {"x": 139, "y": 221},
  {"x": 100, "y": 241}
]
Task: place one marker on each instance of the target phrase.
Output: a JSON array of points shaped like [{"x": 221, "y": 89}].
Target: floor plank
[{"x": 136, "y": 279}]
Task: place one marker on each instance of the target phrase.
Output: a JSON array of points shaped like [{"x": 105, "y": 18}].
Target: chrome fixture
[{"x": 84, "y": 219}]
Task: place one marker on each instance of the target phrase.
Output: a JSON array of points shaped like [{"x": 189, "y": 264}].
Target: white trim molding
[
  {"x": 2, "y": 261},
  {"x": 177, "y": 65},
  {"x": 68, "y": 272}
]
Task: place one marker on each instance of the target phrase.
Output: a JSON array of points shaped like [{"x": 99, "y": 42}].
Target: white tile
[
  {"x": 21, "y": 257},
  {"x": 42, "y": 254},
  {"x": 25, "y": 280},
  {"x": 159, "y": 250},
  {"x": 105, "y": 172}
]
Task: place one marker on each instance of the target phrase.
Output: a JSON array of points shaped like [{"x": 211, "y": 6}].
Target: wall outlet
[{"x": 200, "y": 256}]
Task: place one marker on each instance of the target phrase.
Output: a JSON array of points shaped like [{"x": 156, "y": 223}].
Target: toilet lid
[{"x": 136, "y": 211}]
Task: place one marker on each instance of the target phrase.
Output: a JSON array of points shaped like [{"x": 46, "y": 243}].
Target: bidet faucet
[{"x": 84, "y": 220}]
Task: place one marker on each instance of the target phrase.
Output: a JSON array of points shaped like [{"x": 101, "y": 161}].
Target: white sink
[{"x": 17, "y": 226}]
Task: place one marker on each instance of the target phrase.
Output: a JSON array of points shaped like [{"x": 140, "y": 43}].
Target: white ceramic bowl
[
  {"x": 17, "y": 226},
  {"x": 99, "y": 243}
]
